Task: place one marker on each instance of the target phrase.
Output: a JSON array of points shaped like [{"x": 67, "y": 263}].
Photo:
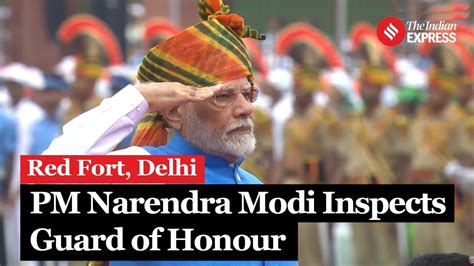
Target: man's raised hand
[{"x": 164, "y": 95}]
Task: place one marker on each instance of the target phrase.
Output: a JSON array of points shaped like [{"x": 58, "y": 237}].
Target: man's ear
[{"x": 174, "y": 116}]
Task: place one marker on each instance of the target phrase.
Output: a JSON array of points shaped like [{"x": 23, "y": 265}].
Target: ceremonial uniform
[
  {"x": 367, "y": 162},
  {"x": 305, "y": 132},
  {"x": 463, "y": 141},
  {"x": 410, "y": 96},
  {"x": 303, "y": 147},
  {"x": 301, "y": 165},
  {"x": 301, "y": 158},
  {"x": 432, "y": 133},
  {"x": 434, "y": 138},
  {"x": 368, "y": 138},
  {"x": 83, "y": 96}
]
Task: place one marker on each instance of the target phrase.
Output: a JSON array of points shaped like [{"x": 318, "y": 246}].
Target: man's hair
[{"x": 441, "y": 259}]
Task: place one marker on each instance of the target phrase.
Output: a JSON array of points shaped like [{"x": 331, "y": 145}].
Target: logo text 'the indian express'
[{"x": 392, "y": 31}]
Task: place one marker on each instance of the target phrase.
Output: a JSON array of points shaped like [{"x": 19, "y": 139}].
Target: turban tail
[{"x": 209, "y": 53}]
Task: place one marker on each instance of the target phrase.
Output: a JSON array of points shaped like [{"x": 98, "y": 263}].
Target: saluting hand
[{"x": 164, "y": 95}]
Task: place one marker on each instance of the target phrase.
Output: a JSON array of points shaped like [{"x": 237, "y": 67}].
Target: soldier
[
  {"x": 368, "y": 134},
  {"x": 82, "y": 94},
  {"x": 461, "y": 169},
  {"x": 437, "y": 138},
  {"x": 93, "y": 47},
  {"x": 341, "y": 104},
  {"x": 367, "y": 141},
  {"x": 302, "y": 132},
  {"x": 312, "y": 52},
  {"x": 411, "y": 94},
  {"x": 306, "y": 131},
  {"x": 301, "y": 157}
]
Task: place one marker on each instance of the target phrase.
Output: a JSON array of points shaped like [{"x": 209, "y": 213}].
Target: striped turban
[{"x": 209, "y": 53}]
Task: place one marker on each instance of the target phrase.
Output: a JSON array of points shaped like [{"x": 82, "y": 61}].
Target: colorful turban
[
  {"x": 467, "y": 82},
  {"x": 306, "y": 79},
  {"x": 376, "y": 76},
  {"x": 441, "y": 79},
  {"x": 209, "y": 53},
  {"x": 88, "y": 69}
]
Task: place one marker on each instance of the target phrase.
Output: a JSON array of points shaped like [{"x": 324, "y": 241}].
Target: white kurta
[{"x": 100, "y": 130}]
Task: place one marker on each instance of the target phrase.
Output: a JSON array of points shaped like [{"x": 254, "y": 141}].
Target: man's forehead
[{"x": 242, "y": 82}]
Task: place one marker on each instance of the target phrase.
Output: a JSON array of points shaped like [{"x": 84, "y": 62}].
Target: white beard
[{"x": 221, "y": 142}]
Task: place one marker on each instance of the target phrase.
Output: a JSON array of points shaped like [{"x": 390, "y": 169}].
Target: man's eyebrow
[{"x": 234, "y": 88}]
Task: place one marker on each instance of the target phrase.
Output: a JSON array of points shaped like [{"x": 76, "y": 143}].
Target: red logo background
[{"x": 385, "y": 28}]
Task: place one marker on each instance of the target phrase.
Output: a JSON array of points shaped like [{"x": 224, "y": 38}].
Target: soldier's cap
[
  {"x": 376, "y": 75},
  {"x": 444, "y": 80},
  {"x": 87, "y": 68},
  {"x": 306, "y": 79}
]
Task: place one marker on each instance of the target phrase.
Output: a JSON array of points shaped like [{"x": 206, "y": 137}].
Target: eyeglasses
[{"x": 229, "y": 96}]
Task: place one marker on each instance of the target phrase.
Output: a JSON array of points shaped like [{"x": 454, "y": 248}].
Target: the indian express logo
[{"x": 391, "y": 31}]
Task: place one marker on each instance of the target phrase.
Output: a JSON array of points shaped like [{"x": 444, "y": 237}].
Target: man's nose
[{"x": 242, "y": 107}]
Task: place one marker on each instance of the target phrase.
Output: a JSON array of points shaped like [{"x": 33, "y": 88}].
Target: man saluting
[{"x": 198, "y": 83}]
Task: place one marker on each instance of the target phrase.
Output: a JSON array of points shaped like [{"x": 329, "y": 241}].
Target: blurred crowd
[{"x": 366, "y": 115}]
